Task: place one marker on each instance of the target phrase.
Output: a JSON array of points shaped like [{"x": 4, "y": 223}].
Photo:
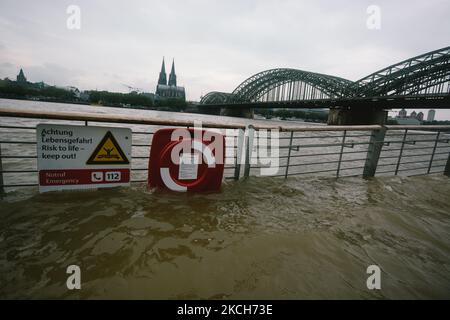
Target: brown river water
[{"x": 263, "y": 237}]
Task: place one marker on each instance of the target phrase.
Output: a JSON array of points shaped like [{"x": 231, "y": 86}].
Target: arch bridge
[{"x": 422, "y": 81}]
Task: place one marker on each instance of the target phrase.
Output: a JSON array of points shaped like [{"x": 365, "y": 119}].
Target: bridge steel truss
[
  {"x": 215, "y": 97},
  {"x": 289, "y": 84},
  {"x": 425, "y": 74},
  {"x": 424, "y": 79}
]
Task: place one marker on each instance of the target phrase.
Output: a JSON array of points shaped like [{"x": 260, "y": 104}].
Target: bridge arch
[
  {"x": 215, "y": 97},
  {"x": 289, "y": 84},
  {"x": 423, "y": 75}
]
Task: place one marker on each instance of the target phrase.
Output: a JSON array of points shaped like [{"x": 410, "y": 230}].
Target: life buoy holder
[{"x": 205, "y": 174}]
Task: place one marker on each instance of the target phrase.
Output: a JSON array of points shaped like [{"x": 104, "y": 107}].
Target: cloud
[
  {"x": 8, "y": 70},
  {"x": 216, "y": 44}
]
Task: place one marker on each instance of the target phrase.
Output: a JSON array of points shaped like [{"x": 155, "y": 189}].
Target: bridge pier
[
  {"x": 237, "y": 112},
  {"x": 354, "y": 116}
]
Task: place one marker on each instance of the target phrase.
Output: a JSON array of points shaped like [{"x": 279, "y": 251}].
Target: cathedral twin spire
[
  {"x": 162, "y": 75},
  {"x": 172, "y": 77}
]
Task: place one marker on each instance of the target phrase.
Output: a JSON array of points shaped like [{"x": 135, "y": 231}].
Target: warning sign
[
  {"x": 82, "y": 157},
  {"x": 108, "y": 151}
]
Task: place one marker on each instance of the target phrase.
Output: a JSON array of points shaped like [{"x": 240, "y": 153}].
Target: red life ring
[{"x": 195, "y": 175}]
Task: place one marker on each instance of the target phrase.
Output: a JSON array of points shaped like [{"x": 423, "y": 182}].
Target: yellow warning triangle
[{"x": 108, "y": 151}]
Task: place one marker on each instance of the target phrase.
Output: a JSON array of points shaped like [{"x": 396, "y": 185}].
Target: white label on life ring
[
  {"x": 188, "y": 169},
  {"x": 210, "y": 161}
]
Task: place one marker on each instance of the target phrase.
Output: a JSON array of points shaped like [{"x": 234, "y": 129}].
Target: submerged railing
[{"x": 289, "y": 150}]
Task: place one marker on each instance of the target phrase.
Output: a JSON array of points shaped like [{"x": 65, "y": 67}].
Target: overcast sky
[{"x": 216, "y": 44}]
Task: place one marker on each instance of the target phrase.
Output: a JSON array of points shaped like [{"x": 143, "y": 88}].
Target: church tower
[
  {"x": 162, "y": 75},
  {"x": 21, "y": 77},
  {"x": 173, "y": 76}
]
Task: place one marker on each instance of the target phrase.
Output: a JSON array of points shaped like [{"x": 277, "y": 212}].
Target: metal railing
[
  {"x": 356, "y": 150},
  {"x": 302, "y": 150},
  {"x": 18, "y": 158}
]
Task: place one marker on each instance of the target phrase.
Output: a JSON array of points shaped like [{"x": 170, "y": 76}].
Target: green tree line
[
  {"x": 300, "y": 114},
  {"x": 11, "y": 89},
  {"x": 118, "y": 99},
  {"x": 135, "y": 99}
]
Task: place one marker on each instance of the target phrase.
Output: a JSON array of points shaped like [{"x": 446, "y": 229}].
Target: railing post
[
  {"x": 401, "y": 152},
  {"x": 239, "y": 150},
  {"x": 341, "y": 153},
  {"x": 289, "y": 155},
  {"x": 1, "y": 171},
  {"x": 373, "y": 152},
  {"x": 249, "y": 151},
  {"x": 447, "y": 166},
  {"x": 434, "y": 151}
]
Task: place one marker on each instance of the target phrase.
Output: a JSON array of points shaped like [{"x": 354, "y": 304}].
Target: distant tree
[
  {"x": 298, "y": 114},
  {"x": 12, "y": 89},
  {"x": 391, "y": 122},
  {"x": 120, "y": 99},
  {"x": 436, "y": 122},
  {"x": 172, "y": 104}
]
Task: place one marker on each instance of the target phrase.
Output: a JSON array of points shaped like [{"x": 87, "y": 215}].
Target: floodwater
[{"x": 266, "y": 238}]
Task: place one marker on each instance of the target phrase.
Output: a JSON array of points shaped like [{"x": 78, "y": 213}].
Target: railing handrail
[
  {"x": 418, "y": 127},
  {"x": 303, "y": 128},
  {"x": 151, "y": 120},
  {"x": 111, "y": 118}
]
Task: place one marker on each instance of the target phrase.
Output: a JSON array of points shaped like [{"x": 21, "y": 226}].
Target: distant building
[
  {"x": 21, "y": 77},
  {"x": 431, "y": 115},
  {"x": 169, "y": 89},
  {"x": 402, "y": 113},
  {"x": 76, "y": 92},
  {"x": 412, "y": 119},
  {"x": 407, "y": 121},
  {"x": 84, "y": 96},
  {"x": 41, "y": 85},
  {"x": 420, "y": 116}
]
